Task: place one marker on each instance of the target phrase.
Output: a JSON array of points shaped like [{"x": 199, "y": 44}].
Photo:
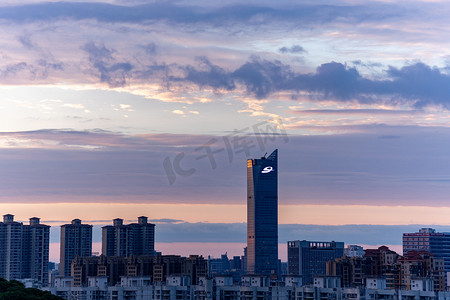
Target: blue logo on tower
[{"x": 267, "y": 169}]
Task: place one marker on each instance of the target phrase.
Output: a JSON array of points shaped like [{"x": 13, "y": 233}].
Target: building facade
[
  {"x": 262, "y": 215},
  {"x": 309, "y": 259},
  {"x": 76, "y": 240},
  {"x": 131, "y": 239}
]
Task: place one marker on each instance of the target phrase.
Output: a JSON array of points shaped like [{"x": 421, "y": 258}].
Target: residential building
[
  {"x": 158, "y": 268},
  {"x": 427, "y": 239},
  {"x": 309, "y": 259},
  {"x": 351, "y": 270},
  {"x": 24, "y": 250},
  {"x": 421, "y": 264},
  {"x": 10, "y": 248},
  {"x": 76, "y": 240},
  {"x": 35, "y": 253},
  {"x": 130, "y": 239},
  {"x": 262, "y": 215},
  {"x": 383, "y": 263},
  {"x": 250, "y": 287}
]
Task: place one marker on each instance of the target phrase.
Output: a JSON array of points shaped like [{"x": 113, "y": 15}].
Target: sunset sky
[{"x": 109, "y": 108}]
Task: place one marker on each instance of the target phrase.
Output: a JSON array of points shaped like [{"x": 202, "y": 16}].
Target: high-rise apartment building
[
  {"x": 130, "y": 239},
  {"x": 437, "y": 243},
  {"x": 76, "y": 240},
  {"x": 10, "y": 248},
  {"x": 262, "y": 215},
  {"x": 35, "y": 253},
  {"x": 24, "y": 250},
  {"x": 309, "y": 259}
]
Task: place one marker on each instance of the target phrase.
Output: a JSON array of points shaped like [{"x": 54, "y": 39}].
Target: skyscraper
[
  {"x": 131, "y": 239},
  {"x": 24, "y": 250},
  {"x": 262, "y": 215},
  {"x": 309, "y": 259},
  {"x": 76, "y": 239}
]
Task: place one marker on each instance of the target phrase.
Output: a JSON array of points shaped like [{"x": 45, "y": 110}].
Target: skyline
[{"x": 99, "y": 98}]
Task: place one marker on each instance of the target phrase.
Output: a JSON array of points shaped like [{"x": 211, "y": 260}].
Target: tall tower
[
  {"x": 262, "y": 215},
  {"x": 76, "y": 240}
]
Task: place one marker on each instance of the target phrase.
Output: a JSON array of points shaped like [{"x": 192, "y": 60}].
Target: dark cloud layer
[
  {"x": 219, "y": 15},
  {"x": 379, "y": 165},
  {"x": 417, "y": 84}
]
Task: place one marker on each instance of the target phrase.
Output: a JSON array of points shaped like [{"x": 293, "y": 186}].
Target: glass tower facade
[{"x": 262, "y": 215}]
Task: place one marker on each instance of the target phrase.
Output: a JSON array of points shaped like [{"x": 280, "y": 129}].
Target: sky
[{"x": 126, "y": 108}]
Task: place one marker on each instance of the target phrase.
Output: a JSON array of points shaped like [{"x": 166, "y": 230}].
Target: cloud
[
  {"x": 74, "y": 105},
  {"x": 165, "y": 220},
  {"x": 216, "y": 14},
  {"x": 150, "y": 48},
  {"x": 65, "y": 41},
  {"x": 262, "y": 77},
  {"x": 358, "y": 168},
  {"x": 292, "y": 49},
  {"x": 24, "y": 72},
  {"x": 418, "y": 84},
  {"x": 178, "y": 112},
  {"x": 26, "y": 42},
  {"x": 208, "y": 75},
  {"x": 112, "y": 72},
  {"x": 361, "y": 111}
]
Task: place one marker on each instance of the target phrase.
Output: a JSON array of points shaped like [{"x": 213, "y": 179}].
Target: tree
[{"x": 14, "y": 290}]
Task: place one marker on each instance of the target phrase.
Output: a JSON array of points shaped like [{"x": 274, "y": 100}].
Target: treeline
[{"x": 14, "y": 290}]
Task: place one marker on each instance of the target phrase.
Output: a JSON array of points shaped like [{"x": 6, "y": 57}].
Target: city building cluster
[{"x": 130, "y": 268}]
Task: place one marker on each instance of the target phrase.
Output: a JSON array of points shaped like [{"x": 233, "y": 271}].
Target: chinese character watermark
[{"x": 237, "y": 142}]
